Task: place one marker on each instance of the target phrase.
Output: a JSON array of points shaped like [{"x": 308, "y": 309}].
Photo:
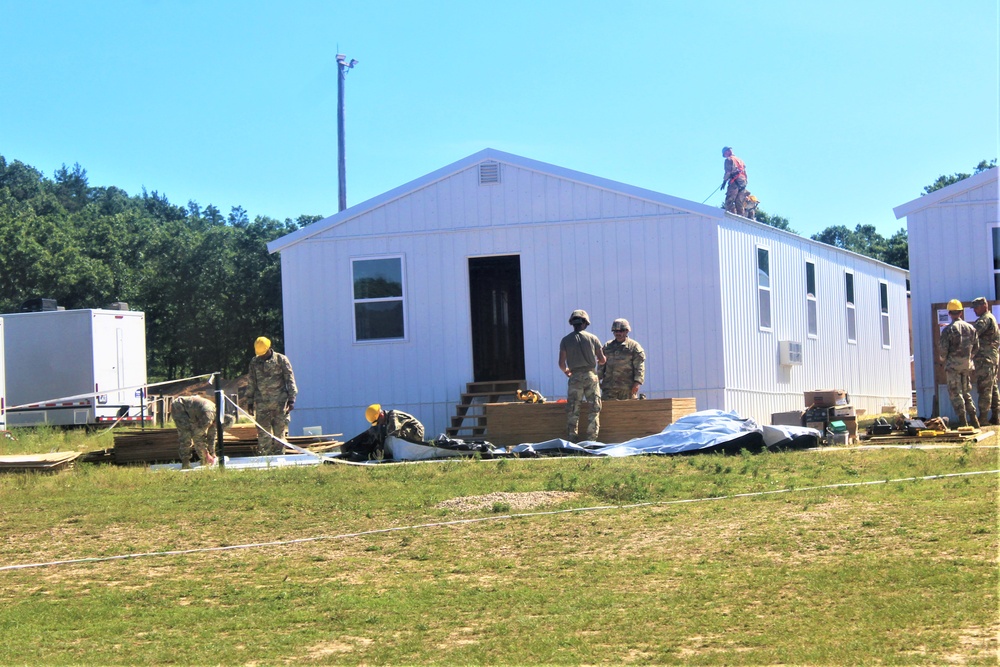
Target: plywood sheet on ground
[
  {"x": 516, "y": 423},
  {"x": 50, "y": 462}
]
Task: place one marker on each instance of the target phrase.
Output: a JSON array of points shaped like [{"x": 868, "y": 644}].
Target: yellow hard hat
[
  {"x": 372, "y": 412},
  {"x": 954, "y": 305},
  {"x": 261, "y": 346}
]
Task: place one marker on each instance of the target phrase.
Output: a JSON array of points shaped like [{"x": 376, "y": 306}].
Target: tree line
[
  {"x": 865, "y": 239},
  {"x": 205, "y": 280}
]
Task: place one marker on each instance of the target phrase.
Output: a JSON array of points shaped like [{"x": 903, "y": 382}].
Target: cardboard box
[
  {"x": 793, "y": 418},
  {"x": 825, "y": 398},
  {"x": 842, "y": 411},
  {"x": 852, "y": 427},
  {"x": 819, "y": 426}
]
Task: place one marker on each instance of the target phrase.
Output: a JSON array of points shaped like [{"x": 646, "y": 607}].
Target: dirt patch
[{"x": 506, "y": 501}]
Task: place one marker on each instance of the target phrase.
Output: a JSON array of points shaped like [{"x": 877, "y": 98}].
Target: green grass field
[{"x": 646, "y": 570}]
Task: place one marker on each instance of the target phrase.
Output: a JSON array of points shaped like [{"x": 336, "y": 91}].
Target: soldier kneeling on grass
[{"x": 194, "y": 417}]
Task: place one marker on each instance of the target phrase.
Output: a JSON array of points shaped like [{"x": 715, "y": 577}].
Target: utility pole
[{"x": 342, "y": 66}]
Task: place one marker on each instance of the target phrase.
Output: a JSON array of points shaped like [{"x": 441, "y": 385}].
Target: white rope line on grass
[{"x": 458, "y": 522}]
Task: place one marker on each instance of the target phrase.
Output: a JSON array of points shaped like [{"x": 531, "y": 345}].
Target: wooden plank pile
[
  {"x": 938, "y": 437},
  {"x": 516, "y": 423},
  {"x": 52, "y": 462},
  {"x": 160, "y": 445}
]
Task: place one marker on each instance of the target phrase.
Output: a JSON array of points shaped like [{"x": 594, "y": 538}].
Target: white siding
[
  {"x": 951, "y": 257},
  {"x": 757, "y": 385}
]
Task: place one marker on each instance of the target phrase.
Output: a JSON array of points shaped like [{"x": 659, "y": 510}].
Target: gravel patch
[{"x": 510, "y": 501}]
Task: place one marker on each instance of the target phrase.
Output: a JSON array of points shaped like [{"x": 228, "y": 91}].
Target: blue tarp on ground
[{"x": 705, "y": 431}]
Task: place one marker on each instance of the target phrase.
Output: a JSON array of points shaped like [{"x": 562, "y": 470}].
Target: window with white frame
[
  {"x": 812, "y": 307},
  {"x": 883, "y": 304},
  {"x": 764, "y": 288},
  {"x": 378, "y": 299},
  {"x": 852, "y": 322}
]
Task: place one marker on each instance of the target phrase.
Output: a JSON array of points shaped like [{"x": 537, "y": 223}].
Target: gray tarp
[{"x": 705, "y": 431}]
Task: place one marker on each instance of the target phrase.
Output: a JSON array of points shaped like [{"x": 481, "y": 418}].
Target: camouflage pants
[
  {"x": 986, "y": 385},
  {"x": 583, "y": 387},
  {"x": 735, "y": 194},
  {"x": 960, "y": 392},
  {"x": 622, "y": 393},
  {"x": 271, "y": 420},
  {"x": 195, "y": 431}
]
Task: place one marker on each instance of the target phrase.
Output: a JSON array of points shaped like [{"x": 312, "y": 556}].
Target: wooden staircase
[{"x": 470, "y": 415}]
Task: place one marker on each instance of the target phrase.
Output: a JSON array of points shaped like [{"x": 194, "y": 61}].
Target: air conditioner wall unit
[{"x": 790, "y": 352}]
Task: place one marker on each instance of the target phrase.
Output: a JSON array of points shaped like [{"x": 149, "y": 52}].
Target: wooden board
[
  {"x": 159, "y": 445},
  {"x": 516, "y": 423},
  {"x": 50, "y": 462}
]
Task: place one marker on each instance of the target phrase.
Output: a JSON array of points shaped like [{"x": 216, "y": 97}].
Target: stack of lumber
[
  {"x": 52, "y": 462},
  {"x": 160, "y": 445},
  {"x": 516, "y": 423},
  {"x": 938, "y": 437}
]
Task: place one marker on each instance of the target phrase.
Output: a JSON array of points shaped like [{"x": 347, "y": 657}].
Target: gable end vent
[{"x": 489, "y": 173}]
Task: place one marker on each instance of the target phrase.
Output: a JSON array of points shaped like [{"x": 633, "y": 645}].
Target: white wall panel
[{"x": 757, "y": 384}]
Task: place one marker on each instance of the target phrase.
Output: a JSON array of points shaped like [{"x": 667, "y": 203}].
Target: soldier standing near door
[
  {"x": 579, "y": 354},
  {"x": 959, "y": 343}
]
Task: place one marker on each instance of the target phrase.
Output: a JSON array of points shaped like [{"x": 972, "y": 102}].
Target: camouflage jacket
[
  {"x": 958, "y": 345},
  {"x": 271, "y": 382},
  {"x": 989, "y": 340},
  {"x": 197, "y": 408},
  {"x": 403, "y": 426},
  {"x": 626, "y": 365}
]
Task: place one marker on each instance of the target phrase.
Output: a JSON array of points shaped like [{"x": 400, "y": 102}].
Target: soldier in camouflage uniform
[
  {"x": 625, "y": 369},
  {"x": 194, "y": 418},
  {"x": 986, "y": 360},
  {"x": 370, "y": 445},
  {"x": 579, "y": 353},
  {"x": 271, "y": 393},
  {"x": 959, "y": 343}
]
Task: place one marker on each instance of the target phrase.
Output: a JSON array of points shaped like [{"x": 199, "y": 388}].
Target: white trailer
[{"x": 75, "y": 367}]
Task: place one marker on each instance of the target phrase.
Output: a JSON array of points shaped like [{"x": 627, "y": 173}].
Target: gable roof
[
  {"x": 490, "y": 154},
  {"x": 946, "y": 192}
]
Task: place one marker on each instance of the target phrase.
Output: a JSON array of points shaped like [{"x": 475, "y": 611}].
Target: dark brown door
[{"x": 497, "y": 324}]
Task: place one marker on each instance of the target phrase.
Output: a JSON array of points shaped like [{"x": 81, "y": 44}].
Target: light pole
[{"x": 342, "y": 66}]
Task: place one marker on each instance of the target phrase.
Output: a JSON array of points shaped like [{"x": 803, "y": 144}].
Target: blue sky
[{"x": 841, "y": 110}]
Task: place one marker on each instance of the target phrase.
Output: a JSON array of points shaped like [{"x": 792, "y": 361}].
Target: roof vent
[{"x": 489, "y": 173}]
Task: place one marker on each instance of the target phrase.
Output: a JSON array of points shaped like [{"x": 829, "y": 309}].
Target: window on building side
[
  {"x": 812, "y": 307},
  {"x": 378, "y": 299},
  {"x": 883, "y": 300},
  {"x": 852, "y": 323},
  {"x": 764, "y": 288}
]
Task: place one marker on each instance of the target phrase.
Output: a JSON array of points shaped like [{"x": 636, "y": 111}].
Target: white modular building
[
  {"x": 954, "y": 244},
  {"x": 470, "y": 273}
]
